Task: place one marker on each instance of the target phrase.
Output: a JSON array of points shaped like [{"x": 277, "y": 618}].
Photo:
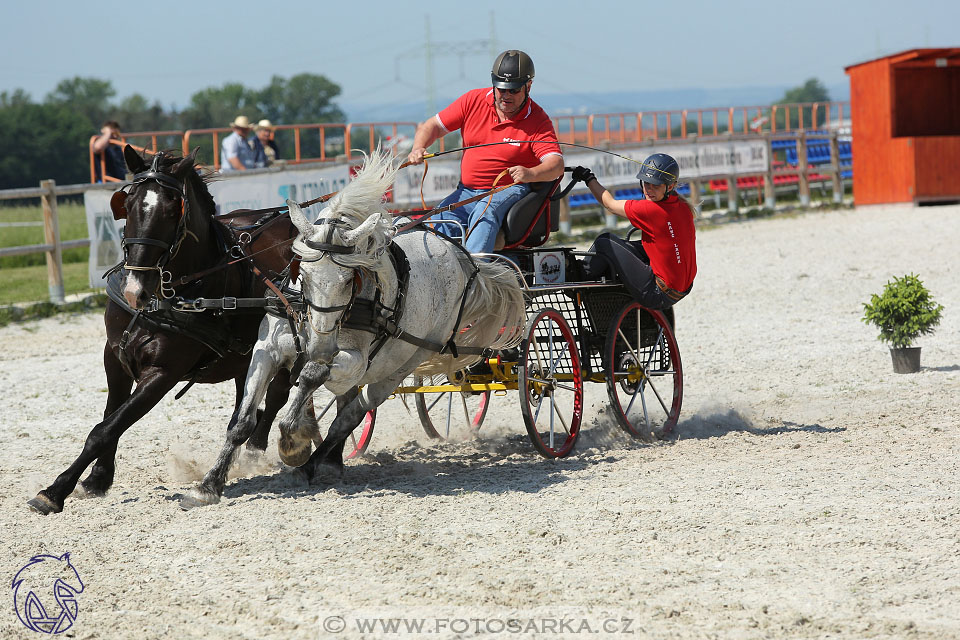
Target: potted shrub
[{"x": 903, "y": 312}]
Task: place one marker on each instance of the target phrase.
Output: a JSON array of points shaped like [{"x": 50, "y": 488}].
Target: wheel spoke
[
  {"x": 642, "y": 362},
  {"x": 562, "y": 421},
  {"x": 551, "y": 408},
  {"x": 536, "y": 413},
  {"x": 466, "y": 413},
  {"x": 435, "y": 401},
  {"x": 442, "y": 417},
  {"x": 326, "y": 408}
]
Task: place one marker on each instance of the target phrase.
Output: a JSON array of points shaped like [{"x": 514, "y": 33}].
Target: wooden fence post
[
  {"x": 695, "y": 197},
  {"x": 733, "y": 194},
  {"x": 835, "y": 163},
  {"x": 803, "y": 185},
  {"x": 51, "y": 234},
  {"x": 769, "y": 191}
]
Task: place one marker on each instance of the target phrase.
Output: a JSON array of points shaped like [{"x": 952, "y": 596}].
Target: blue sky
[{"x": 375, "y": 50}]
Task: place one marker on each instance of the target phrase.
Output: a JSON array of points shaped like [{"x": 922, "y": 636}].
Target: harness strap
[{"x": 124, "y": 342}]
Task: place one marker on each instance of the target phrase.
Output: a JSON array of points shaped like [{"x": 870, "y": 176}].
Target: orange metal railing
[
  {"x": 632, "y": 127},
  {"x": 396, "y": 128},
  {"x": 325, "y": 142}
]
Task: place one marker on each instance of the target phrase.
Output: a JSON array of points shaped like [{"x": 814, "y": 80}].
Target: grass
[
  {"x": 73, "y": 226},
  {"x": 29, "y": 284}
]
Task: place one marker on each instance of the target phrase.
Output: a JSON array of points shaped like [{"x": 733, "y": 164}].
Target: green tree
[
  {"x": 218, "y": 106},
  {"x": 135, "y": 113},
  {"x": 88, "y": 96},
  {"x": 41, "y": 141},
  {"x": 18, "y": 98},
  {"x": 305, "y": 98},
  {"x": 810, "y": 91}
]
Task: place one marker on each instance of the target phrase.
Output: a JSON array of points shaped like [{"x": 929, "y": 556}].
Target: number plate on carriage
[{"x": 549, "y": 267}]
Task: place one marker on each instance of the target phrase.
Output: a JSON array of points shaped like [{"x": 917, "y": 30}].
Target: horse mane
[
  {"x": 355, "y": 203},
  {"x": 364, "y": 194},
  {"x": 197, "y": 177}
]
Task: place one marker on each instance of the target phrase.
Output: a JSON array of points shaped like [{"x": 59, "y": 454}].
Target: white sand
[{"x": 812, "y": 492}]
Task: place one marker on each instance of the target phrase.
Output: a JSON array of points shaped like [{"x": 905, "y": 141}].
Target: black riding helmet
[
  {"x": 511, "y": 70},
  {"x": 659, "y": 169}
]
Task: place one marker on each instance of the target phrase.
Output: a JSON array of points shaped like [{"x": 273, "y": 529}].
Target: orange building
[{"x": 905, "y": 110}]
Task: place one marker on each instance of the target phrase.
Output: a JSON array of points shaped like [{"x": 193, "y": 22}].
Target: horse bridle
[
  {"x": 326, "y": 248},
  {"x": 118, "y": 204}
]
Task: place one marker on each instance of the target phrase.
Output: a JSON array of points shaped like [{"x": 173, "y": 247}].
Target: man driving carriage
[
  {"x": 658, "y": 271},
  {"x": 502, "y": 114}
]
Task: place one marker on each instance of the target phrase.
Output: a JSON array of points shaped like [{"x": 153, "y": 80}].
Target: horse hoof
[
  {"x": 255, "y": 449},
  {"x": 44, "y": 505},
  {"x": 326, "y": 472},
  {"x": 293, "y": 453},
  {"x": 85, "y": 490},
  {"x": 198, "y": 497}
]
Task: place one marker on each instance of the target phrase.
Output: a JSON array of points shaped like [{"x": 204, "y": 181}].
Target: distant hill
[{"x": 560, "y": 104}]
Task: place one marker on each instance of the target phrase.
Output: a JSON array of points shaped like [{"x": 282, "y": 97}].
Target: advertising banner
[
  {"x": 698, "y": 160},
  {"x": 254, "y": 191},
  {"x": 266, "y": 189}
]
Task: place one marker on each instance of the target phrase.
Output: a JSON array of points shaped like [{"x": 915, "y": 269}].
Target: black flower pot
[{"x": 906, "y": 360}]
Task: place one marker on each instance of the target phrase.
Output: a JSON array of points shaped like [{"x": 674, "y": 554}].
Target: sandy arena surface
[{"x": 811, "y": 492}]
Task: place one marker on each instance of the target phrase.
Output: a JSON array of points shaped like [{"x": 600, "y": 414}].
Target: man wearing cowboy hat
[
  {"x": 265, "y": 131},
  {"x": 237, "y": 153}
]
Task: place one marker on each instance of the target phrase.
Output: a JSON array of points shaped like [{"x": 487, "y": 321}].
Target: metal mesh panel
[{"x": 566, "y": 304}]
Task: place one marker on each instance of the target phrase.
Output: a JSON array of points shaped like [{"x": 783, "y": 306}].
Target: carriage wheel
[
  {"x": 551, "y": 384},
  {"x": 643, "y": 371},
  {"x": 359, "y": 439},
  {"x": 449, "y": 414}
]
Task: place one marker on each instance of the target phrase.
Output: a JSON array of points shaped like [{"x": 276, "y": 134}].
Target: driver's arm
[
  {"x": 428, "y": 132},
  {"x": 550, "y": 168}
]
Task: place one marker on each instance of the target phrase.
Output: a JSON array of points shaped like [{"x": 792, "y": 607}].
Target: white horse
[{"x": 447, "y": 297}]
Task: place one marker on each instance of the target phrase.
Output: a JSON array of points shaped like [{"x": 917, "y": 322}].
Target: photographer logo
[{"x": 45, "y": 594}]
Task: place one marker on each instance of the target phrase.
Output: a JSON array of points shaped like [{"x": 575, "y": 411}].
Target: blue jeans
[{"x": 482, "y": 229}]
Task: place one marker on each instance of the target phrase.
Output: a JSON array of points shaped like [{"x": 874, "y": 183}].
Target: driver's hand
[
  {"x": 520, "y": 174},
  {"x": 416, "y": 155}
]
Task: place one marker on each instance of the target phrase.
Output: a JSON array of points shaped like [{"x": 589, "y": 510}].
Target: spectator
[
  {"x": 238, "y": 152},
  {"x": 265, "y": 132},
  {"x": 107, "y": 155}
]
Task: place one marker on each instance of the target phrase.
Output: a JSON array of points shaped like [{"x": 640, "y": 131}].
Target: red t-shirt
[
  {"x": 669, "y": 238},
  {"x": 476, "y": 116}
]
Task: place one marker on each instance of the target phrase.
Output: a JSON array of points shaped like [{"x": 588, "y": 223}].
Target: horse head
[{"x": 156, "y": 206}]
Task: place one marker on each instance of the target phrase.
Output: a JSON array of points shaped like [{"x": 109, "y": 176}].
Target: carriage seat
[{"x": 531, "y": 219}]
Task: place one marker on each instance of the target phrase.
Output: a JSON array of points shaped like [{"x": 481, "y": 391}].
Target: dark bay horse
[{"x": 176, "y": 253}]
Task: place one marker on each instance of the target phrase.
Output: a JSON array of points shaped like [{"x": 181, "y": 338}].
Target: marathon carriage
[{"x": 577, "y": 331}]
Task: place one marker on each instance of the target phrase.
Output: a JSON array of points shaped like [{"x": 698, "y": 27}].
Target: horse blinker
[{"x": 118, "y": 204}]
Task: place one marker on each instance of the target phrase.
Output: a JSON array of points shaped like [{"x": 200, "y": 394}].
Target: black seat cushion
[{"x": 530, "y": 220}]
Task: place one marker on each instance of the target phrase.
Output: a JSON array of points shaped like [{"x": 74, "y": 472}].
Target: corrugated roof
[{"x": 920, "y": 57}]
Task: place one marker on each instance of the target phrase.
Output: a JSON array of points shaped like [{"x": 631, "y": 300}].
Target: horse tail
[{"x": 495, "y": 311}]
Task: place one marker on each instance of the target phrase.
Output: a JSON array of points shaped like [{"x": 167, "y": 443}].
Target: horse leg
[
  {"x": 277, "y": 394},
  {"x": 333, "y": 460},
  {"x": 261, "y": 375},
  {"x": 103, "y": 438},
  {"x": 295, "y": 440},
  {"x": 349, "y": 414},
  {"x": 119, "y": 385}
]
